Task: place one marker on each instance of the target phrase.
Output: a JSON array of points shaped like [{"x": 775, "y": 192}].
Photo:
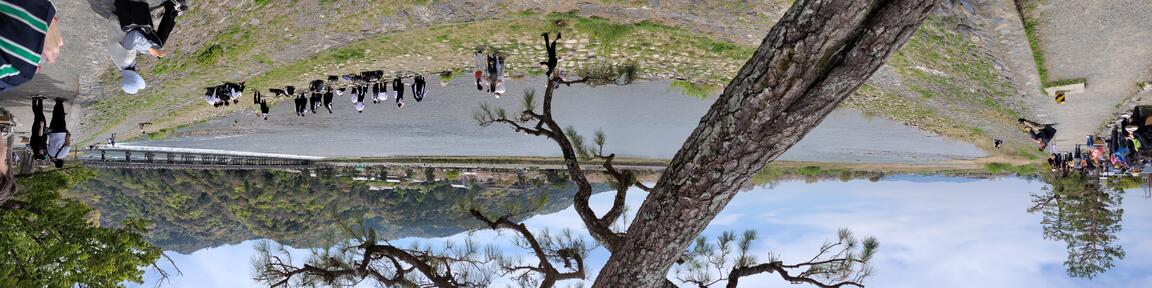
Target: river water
[
  {"x": 949, "y": 232},
  {"x": 644, "y": 120}
]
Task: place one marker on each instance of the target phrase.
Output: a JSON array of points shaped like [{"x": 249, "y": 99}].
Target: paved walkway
[{"x": 1108, "y": 42}]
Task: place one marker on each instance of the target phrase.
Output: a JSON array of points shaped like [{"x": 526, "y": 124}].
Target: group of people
[
  {"x": 222, "y": 95},
  {"x": 320, "y": 93},
  {"x": 1125, "y": 150},
  {"x": 489, "y": 73}
]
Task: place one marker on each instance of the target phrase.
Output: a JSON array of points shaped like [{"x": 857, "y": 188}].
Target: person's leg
[
  {"x": 59, "y": 123},
  {"x": 123, "y": 12},
  {"x": 167, "y": 22},
  {"x": 133, "y": 13},
  {"x": 39, "y": 140}
]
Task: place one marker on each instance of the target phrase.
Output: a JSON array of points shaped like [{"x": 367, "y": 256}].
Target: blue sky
[{"x": 937, "y": 233}]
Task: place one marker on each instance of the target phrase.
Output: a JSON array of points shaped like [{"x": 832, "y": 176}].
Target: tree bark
[{"x": 815, "y": 57}]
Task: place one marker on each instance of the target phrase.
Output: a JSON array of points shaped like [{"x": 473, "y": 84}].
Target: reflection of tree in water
[
  {"x": 195, "y": 209},
  {"x": 1085, "y": 214}
]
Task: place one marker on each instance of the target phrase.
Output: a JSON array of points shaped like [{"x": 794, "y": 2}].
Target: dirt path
[{"x": 1108, "y": 42}]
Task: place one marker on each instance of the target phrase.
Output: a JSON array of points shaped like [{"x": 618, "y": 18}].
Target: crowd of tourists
[{"x": 1126, "y": 149}]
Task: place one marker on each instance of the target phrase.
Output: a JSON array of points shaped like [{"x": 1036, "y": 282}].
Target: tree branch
[
  {"x": 777, "y": 267},
  {"x": 551, "y": 274}
]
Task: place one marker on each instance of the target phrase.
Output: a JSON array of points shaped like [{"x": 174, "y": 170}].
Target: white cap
[{"x": 131, "y": 82}]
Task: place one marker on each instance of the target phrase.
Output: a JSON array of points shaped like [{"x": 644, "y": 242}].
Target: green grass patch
[
  {"x": 603, "y": 29},
  {"x": 1065, "y": 82},
  {"x": 702, "y": 91},
  {"x": 1005, "y": 168},
  {"x": 348, "y": 53}
]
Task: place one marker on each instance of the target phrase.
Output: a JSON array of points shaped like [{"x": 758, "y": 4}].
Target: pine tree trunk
[{"x": 816, "y": 56}]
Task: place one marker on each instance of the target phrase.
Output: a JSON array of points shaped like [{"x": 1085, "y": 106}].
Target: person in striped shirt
[{"x": 29, "y": 36}]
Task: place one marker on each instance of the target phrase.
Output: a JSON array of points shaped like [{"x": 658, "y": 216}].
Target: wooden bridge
[{"x": 140, "y": 157}]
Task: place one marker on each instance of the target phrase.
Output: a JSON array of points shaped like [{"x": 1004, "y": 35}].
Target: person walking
[
  {"x": 139, "y": 35},
  {"x": 328, "y": 98},
  {"x": 301, "y": 104},
  {"x": 59, "y": 138},
  {"x": 262, "y": 103},
  {"x": 31, "y": 36},
  {"x": 479, "y": 72},
  {"x": 398, "y": 86},
  {"x": 357, "y": 99},
  {"x": 376, "y": 92},
  {"x": 314, "y": 101},
  {"x": 419, "y": 88}
]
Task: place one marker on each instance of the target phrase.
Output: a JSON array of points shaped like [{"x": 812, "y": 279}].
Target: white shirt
[
  {"x": 359, "y": 106},
  {"x": 56, "y": 148}
]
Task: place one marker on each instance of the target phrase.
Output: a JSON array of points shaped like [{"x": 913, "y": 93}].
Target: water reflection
[
  {"x": 1084, "y": 213},
  {"x": 196, "y": 209},
  {"x": 939, "y": 230}
]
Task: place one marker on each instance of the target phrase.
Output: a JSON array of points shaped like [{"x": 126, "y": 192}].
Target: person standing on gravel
[
  {"x": 139, "y": 35},
  {"x": 59, "y": 138},
  {"x": 38, "y": 143},
  {"x": 32, "y": 37}
]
